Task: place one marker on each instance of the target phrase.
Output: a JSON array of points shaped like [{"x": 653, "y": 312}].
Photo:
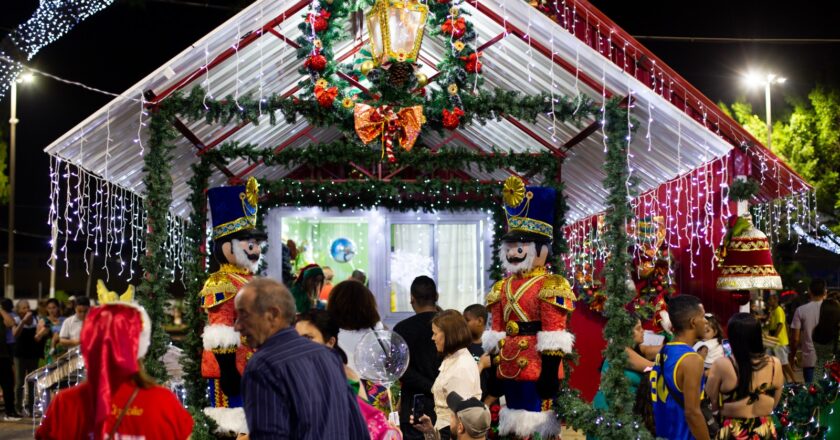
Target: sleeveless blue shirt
[{"x": 668, "y": 412}]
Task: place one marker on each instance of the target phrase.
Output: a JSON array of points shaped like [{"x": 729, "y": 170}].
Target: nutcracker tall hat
[
  {"x": 529, "y": 211},
  {"x": 234, "y": 210},
  {"x": 745, "y": 259},
  {"x": 114, "y": 337}
]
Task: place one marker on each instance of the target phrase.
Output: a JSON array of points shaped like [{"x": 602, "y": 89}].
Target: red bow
[
  {"x": 319, "y": 21},
  {"x": 451, "y": 119},
  {"x": 326, "y": 96},
  {"x": 472, "y": 65},
  {"x": 456, "y": 28}
]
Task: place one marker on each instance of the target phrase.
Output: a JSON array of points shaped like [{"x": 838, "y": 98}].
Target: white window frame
[{"x": 379, "y": 245}]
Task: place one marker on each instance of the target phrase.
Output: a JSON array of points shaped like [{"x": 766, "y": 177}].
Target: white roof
[{"x": 666, "y": 143}]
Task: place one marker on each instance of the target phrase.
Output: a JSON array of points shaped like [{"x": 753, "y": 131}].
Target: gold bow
[{"x": 384, "y": 122}]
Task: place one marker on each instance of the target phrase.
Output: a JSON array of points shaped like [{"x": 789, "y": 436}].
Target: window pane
[
  {"x": 337, "y": 242},
  {"x": 458, "y": 265},
  {"x": 411, "y": 256}
]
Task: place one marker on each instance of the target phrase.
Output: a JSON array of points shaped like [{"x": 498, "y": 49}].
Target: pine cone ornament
[{"x": 399, "y": 73}]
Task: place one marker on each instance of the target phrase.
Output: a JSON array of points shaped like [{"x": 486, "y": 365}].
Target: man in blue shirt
[
  {"x": 292, "y": 388},
  {"x": 677, "y": 379}
]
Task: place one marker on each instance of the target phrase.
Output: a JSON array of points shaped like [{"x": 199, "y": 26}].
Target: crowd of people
[
  {"x": 705, "y": 381},
  {"x": 30, "y": 339}
]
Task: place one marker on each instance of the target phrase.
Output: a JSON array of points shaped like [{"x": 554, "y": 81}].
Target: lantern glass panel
[
  {"x": 405, "y": 28},
  {"x": 375, "y": 31}
]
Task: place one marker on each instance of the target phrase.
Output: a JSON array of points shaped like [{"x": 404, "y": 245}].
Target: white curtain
[
  {"x": 411, "y": 256},
  {"x": 457, "y": 270}
]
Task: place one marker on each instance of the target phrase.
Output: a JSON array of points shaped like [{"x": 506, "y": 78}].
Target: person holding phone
[
  {"x": 458, "y": 372},
  {"x": 470, "y": 419}
]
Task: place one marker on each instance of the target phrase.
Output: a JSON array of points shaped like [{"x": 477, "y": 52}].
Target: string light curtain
[{"x": 51, "y": 21}]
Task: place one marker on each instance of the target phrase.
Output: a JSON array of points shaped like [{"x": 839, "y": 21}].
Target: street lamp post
[
  {"x": 13, "y": 121},
  {"x": 766, "y": 81}
]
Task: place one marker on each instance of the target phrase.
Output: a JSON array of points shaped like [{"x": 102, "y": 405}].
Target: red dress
[{"x": 154, "y": 414}]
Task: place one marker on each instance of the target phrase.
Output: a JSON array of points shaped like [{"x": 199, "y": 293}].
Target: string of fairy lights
[
  {"x": 108, "y": 220},
  {"x": 51, "y": 20}
]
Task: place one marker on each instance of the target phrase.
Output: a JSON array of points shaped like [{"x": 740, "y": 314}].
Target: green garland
[
  {"x": 427, "y": 195},
  {"x": 152, "y": 291},
  {"x": 194, "y": 317},
  {"x": 618, "y": 422},
  {"x": 743, "y": 189},
  {"x": 421, "y": 159},
  {"x": 803, "y": 410}
]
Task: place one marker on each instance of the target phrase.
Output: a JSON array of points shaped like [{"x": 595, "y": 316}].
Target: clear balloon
[
  {"x": 342, "y": 250},
  {"x": 382, "y": 357}
]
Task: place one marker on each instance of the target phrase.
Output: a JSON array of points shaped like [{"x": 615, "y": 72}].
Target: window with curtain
[{"x": 448, "y": 253}]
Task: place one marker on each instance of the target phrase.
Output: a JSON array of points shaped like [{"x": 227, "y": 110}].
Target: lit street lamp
[
  {"x": 24, "y": 78},
  {"x": 752, "y": 80}
]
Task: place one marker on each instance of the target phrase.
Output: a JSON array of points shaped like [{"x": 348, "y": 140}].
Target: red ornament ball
[
  {"x": 812, "y": 389},
  {"x": 316, "y": 62},
  {"x": 783, "y": 420}
]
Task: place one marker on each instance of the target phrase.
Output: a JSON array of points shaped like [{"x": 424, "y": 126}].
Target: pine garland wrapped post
[
  {"x": 152, "y": 291},
  {"x": 194, "y": 317},
  {"x": 619, "y": 329},
  {"x": 618, "y": 422}
]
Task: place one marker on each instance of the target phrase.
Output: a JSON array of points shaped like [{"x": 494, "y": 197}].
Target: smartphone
[
  {"x": 727, "y": 349},
  {"x": 418, "y": 407}
]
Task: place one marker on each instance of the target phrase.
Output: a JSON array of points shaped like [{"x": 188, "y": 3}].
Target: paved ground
[{"x": 16, "y": 430}]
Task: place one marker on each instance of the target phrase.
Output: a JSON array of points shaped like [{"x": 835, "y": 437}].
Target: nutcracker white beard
[
  {"x": 517, "y": 257},
  {"x": 244, "y": 259}
]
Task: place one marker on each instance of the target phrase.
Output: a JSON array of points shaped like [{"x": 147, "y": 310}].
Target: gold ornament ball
[
  {"x": 329, "y": 2},
  {"x": 366, "y": 67},
  {"x": 422, "y": 79}
]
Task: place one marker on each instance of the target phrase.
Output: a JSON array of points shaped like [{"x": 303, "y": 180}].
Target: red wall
[{"x": 692, "y": 248}]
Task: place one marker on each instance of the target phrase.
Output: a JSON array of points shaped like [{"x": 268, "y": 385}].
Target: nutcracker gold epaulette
[
  {"x": 556, "y": 290},
  {"x": 495, "y": 293},
  {"x": 223, "y": 285},
  {"x": 217, "y": 289}
]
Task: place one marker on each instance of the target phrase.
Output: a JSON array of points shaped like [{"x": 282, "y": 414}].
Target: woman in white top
[
  {"x": 458, "y": 371},
  {"x": 353, "y": 308},
  {"x": 710, "y": 347}
]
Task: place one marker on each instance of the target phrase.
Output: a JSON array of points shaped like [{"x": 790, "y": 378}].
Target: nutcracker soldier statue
[
  {"x": 237, "y": 249},
  {"x": 529, "y": 311}
]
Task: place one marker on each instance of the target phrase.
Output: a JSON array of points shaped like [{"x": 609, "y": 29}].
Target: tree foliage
[{"x": 808, "y": 139}]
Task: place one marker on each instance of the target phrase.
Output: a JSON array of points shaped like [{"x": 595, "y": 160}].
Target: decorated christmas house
[{"x": 380, "y": 136}]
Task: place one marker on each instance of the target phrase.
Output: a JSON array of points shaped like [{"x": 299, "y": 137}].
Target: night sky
[{"x": 122, "y": 44}]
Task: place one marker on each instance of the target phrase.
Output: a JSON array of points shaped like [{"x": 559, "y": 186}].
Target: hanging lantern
[
  {"x": 396, "y": 30},
  {"x": 746, "y": 262}
]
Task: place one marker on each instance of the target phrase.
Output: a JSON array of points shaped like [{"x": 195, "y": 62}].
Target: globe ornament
[
  {"x": 342, "y": 250},
  {"x": 382, "y": 357},
  {"x": 422, "y": 79},
  {"x": 366, "y": 67}
]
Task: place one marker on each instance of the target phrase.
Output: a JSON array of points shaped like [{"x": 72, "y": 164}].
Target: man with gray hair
[{"x": 292, "y": 387}]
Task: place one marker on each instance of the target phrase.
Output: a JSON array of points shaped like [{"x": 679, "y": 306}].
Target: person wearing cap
[
  {"x": 529, "y": 309},
  {"x": 470, "y": 419},
  {"x": 237, "y": 247},
  {"x": 118, "y": 399}
]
